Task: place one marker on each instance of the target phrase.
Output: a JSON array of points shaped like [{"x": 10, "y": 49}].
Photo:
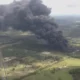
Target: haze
[{"x": 59, "y": 7}]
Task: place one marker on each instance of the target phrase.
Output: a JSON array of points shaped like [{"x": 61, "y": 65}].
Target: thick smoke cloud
[{"x": 34, "y": 17}]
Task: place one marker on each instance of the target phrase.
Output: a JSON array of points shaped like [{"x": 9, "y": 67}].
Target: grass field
[{"x": 30, "y": 59}]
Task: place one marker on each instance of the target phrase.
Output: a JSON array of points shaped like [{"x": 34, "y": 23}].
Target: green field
[{"x": 27, "y": 58}]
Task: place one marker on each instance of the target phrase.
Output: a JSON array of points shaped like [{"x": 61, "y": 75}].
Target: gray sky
[{"x": 59, "y": 7}]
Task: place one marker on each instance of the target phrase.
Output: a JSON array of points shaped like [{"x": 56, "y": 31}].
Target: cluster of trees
[
  {"x": 75, "y": 32},
  {"x": 34, "y": 16},
  {"x": 75, "y": 73}
]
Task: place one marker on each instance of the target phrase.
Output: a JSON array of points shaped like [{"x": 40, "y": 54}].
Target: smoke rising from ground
[{"x": 33, "y": 15}]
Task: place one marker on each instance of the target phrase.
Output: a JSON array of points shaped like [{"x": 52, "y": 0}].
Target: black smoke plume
[{"x": 34, "y": 16}]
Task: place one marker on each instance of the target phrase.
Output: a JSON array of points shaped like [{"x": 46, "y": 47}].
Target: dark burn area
[{"x": 34, "y": 16}]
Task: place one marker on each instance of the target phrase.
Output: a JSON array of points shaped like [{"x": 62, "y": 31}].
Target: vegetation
[
  {"x": 32, "y": 47},
  {"x": 27, "y": 62},
  {"x": 75, "y": 73}
]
